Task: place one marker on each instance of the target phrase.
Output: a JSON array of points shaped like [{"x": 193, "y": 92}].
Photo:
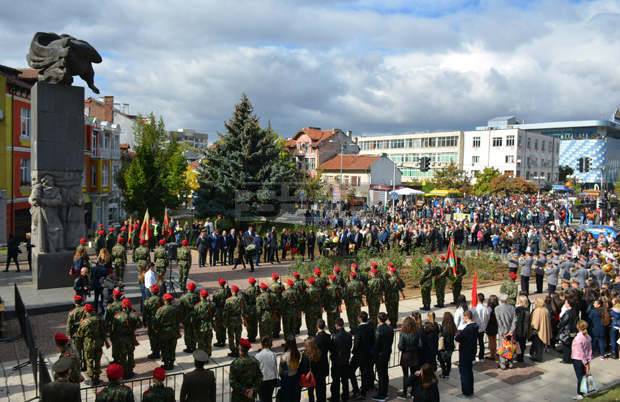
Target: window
[
  {"x": 106, "y": 175},
  {"x": 310, "y": 163},
  {"x": 355, "y": 181},
  {"x": 536, "y": 144},
  {"x": 542, "y": 147},
  {"x": 475, "y": 159},
  {"x": 24, "y": 116},
  {"x": 510, "y": 159},
  {"x": 476, "y": 143},
  {"x": 106, "y": 140},
  {"x": 497, "y": 141},
  {"x": 397, "y": 143},
  {"x": 24, "y": 170},
  {"x": 529, "y": 143},
  {"x": 94, "y": 142},
  {"x": 510, "y": 141}
]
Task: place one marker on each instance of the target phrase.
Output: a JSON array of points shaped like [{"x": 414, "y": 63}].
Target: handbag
[
  {"x": 307, "y": 380},
  {"x": 588, "y": 385}
]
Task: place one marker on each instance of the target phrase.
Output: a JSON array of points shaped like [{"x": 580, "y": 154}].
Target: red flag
[
  {"x": 451, "y": 256},
  {"x": 474, "y": 290},
  {"x": 144, "y": 229},
  {"x": 166, "y": 228}
]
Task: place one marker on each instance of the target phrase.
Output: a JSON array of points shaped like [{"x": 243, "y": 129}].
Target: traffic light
[
  {"x": 580, "y": 164},
  {"x": 586, "y": 164},
  {"x": 425, "y": 164}
]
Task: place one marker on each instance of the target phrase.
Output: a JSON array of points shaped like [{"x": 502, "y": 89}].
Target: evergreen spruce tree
[{"x": 245, "y": 168}]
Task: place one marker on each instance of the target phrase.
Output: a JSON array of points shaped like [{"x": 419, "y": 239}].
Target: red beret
[
  {"x": 82, "y": 240},
  {"x": 251, "y": 280},
  {"x": 392, "y": 269},
  {"x": 290, "y": 282},
  {"x": 221, "y": 281},
  {"x": 100, "y": 225},
  {"x": 204, "y": 292},
  {"x": 317, "y": 271},
  {"x": 191, "y": 286},
  {"x": 353, "y": 265},
  {"x": 275, "y": 276},
  {"x": 142, "y": 242},
  {"x": 390, "y": 264},
  {"x": 184, "y": 243},
  {"x": 374, "y": 264},
  {"x": 155, "y": 289},
  {"x": 333, "y": 278},
  {"x": 123, "y": 229},
  {"x": 162, "y": 242},
  {"x": 311, "y": 280},
  {"x": 263, "y": 285},
  {"x": 353, "y": 274},
  {"x": 442, "y": 257},
  {"x": 100, "y": 232},
  {"x": 513, "y": 276},
  {"x": 428, "y": 260},
  {"x": 114, "y": 371},
  {"x": 373, "y": 270},
  {"x": 89, "y": 308},
  {"x": 234, "y": 288},
  {"x": 111, "y": 230},
  {"x": 337, "y": 269},
  {"x": 59, "y": 337},
  {"x": 116, "y": 293},
  {"x": 245, "y": 343},
  {"x": 168, "y": 297},
  {"x": 296, "y": 274},
  {"x": 77, "y": 298},
  {"x": 126, "y": 303},
  {"x": 159, "y": 374},
  {"x": 120, "y": 240}
]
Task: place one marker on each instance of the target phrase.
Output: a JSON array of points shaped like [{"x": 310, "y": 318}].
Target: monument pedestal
[{"x": 51, "y": 270}]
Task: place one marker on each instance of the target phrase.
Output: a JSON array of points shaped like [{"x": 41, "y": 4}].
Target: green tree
[
  {"x": 314, "y": 188},
  {"x": 155, "y": 177},
  {"x": 565, "y": 171},
  {"x": 483, "y": 181},
  {"x": 506, "y": 184},
  {"x": 247, "y": 167},
  {"x": 451, "y": 177}
]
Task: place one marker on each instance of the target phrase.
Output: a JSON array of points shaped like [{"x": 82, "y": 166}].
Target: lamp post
[{"x": 342, "y": 147}]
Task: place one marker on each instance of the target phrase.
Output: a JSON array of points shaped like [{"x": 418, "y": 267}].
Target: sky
[{"x": 370, "y": 66}]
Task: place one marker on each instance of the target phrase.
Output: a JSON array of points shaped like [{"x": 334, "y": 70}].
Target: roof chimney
[{"x": 108, "y": 108}]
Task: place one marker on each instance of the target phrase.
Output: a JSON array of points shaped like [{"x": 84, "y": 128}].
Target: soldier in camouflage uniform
[
  {"x": 73, "y": 323},
  {"x": 142, "y": 258},
  {"x": 160, "y": 256},
  {"x": 264, "y": 310},
  {"x": 151, "y": 306},
  {"x": 158, "y": 391},
  {"x": 66, "y": 351},
  {"x": 204, "y": 312},
  {"x": 331, "y": 302},
  {"x": 300, "y": 287},
  {"x": 119, "y": 258},
  {"x": 92, "y": 335},
  {"x": 321, "y": 281},
  {"x": 393, "y": 290},
  {"x": 99, "y": 241},
  {"x": 110, "y": 240},
  {"x": 249, "y": 309},
  {"x": 123, "y": 337},
  {"x": 232, "y": 319},
  {"x": 134, "y": 240},
  {"x": 510, "y": 288},
  {"x": 184, "y": 256},
  {"x": 277, "y": 289},
  {"x": 186, "y": 308},
  {"x": 440, "y": 280},
  {"x": 245, "y": 375},
  {"x": 112, "y": 309},
  {"x": 312, "y": 305},
  {"x": 457, "y": 281},
  {"x": 115, "y": 391},
  {"x": 353, "y": 300},
  {"x": 374, "y": 294},
  {"x": 167, "y": 322},
  {"x": 219, "y": 299},
  {"x": 426, "y": 283},
  {"x": 290, "y": 302}
]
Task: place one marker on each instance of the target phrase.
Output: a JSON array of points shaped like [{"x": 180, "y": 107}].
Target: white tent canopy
[{"x": 407, "y": 191}]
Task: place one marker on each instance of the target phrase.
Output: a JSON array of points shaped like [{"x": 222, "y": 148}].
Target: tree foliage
[
  {"x": 246, "y": 168},
  {"x": 483, "y": 181},
  {"x": 507, "y": 184},
  {"x": 565, "y": 171},
  {"x": 451, "y": 177},
  {"x": 314, "y": 188},
  {"x": 155, "y": 177}
]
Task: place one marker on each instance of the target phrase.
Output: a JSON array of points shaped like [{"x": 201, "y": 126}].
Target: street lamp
[{"x": 342, "y": 147}]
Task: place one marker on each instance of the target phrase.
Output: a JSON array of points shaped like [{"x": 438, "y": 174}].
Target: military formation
[{"x": 436, "y": 275}]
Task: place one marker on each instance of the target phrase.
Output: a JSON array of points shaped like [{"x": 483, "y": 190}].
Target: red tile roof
[
  {"x": 350, "y": 162},
  {"x": 316, "y": 134}
]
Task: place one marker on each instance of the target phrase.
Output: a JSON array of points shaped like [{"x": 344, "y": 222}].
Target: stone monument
[{"x": 57, "y": 150}]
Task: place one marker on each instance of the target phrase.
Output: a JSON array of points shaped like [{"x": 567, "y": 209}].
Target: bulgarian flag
[
  {"x": 129, "y": 231},
  {"x": 144, "y": 229},
  {"x": 166, "y": 225},
  {"x": 451, "y": 256},
  {"x": 474, "y": 290}
]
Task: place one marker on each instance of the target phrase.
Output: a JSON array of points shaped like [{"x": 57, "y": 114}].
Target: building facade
[
  {"x": 312, "y": 146},
  {"x": 105, "y": 109},
  {"x": 443, "y": 149}
]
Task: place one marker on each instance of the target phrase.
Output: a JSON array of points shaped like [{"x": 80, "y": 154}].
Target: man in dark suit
[
  {"x": 213, "y": 248},
  {"x": 384, "y": 337},
  {"x": 340, "y": 353},
  {"x": 467, "y": 339},
  {"x": 61, "y": 389},
  {"x": 363, "y": 345},
  {"x": 323, "y": 342},
  {"x": 202, "y": 244},
  {"x": 248, "y": 238},
  {"x": 199, "y": 385},
  {"x": 310, "y": 244}
]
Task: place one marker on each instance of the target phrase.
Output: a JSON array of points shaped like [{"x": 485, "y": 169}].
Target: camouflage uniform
[
  {"x": 115, "y": 392},
  {"x": 312, "y": 308},
  {"x": 290, "y": 299},
  {"x": 393, "y": 288},
  {"x": 219, "y": 299},
  {"x": 249, "y": 311},
  {"x": 204, "y": 312},
  {"x": 142, "y": 257},
  {"x": 232, "y": 319},
  {"x": 426, "y": 285},
  {"x": 244, "y": 374},
  {"x": 158, "y": 393},
  {"x": 92, "y": 335},
  {"x": 264, "y": 311},
  {"x": 160, "y": 255},
  {"x": 300, "y": 287},
  {"x": 277, "y": 289},
  {"x": 119, "y": 260},
  {"x": 67, "y": 352},
  {"x": 167, "y": 322},
  {"x": 331, "y": 304},
  {"x": 186, "y": 305},
  {"x": 110, "y": 241},
  {"x": 353, "y": 300},
  {"x": 73, "y": 323},
  {"x": 184, "y": 256},
  {"x": 110, "y": 310},
  {"x": 123, "y": 337},
  {"x": 151, "y": 306},
  {"x": 440, "y": 280},
  {"x": 374, "y": 293},
  {"x": 457, "y": 281},
  {"x": 99, "y": 243}
]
